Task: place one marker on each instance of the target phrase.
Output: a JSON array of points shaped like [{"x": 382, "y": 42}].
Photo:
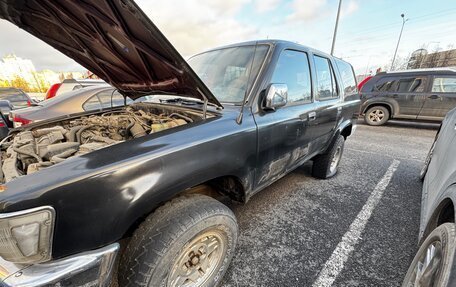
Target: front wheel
[
  {"x": 376, "y": 116},
  {"x": 326, "y": 165},
  {"x": 433, "y": 261},
  {"x": 187, "y": 242}
]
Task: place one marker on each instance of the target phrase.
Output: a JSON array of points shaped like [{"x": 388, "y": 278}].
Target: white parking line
[{"x": 336, "y": 262}]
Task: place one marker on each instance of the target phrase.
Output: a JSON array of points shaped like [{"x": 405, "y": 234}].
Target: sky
[{"x": 367, "y": 35}]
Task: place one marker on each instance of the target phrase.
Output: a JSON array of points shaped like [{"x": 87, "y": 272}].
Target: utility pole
[
  {"x": 335, "y": 28},
  {"x": 398, "y": 40}
]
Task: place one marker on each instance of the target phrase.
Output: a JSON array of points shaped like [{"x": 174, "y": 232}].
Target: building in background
[{"x": 422, "y": 59}]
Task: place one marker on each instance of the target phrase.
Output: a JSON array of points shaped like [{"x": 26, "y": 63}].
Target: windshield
[{"x": 226, "y": 71}]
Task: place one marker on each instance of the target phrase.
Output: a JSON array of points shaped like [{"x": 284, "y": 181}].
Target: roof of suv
[
  {"x": 274, "y": 42},
  {"x": 430, "y": 71}
]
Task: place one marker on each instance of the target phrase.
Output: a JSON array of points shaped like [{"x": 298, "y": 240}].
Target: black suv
[
  {"x": 146, "y": 176},
  {"x": 424, "y": 94}
]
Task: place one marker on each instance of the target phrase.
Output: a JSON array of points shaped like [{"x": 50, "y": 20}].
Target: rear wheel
[
  {"x": 326, "y": 165},
  {"x": 376, "y": 116},
  {"x": 433, "y": 261},
  {"x": 187, "y": 242}
]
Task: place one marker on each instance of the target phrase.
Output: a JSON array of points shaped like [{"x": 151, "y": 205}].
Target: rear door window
[
  {"x": 326, "y": 81},
  {"x": 444, "y": 85},
  {"x": 348, "y": 77}
]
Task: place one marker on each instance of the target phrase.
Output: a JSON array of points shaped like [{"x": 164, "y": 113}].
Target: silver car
[
  {"x": 434, "y": 263},
  {"x": 81, "y": 100}
]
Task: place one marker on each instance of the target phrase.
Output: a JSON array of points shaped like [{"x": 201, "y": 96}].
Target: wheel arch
[
  {"x": 388, "y": 106},
  {"x": 230, "y": 186},
  {"x": 444, "y": 213},
  {"x": 346, "y": 131}
]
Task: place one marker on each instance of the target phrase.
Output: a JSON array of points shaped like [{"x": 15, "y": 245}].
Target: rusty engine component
[{"x": 32, "y": 150}]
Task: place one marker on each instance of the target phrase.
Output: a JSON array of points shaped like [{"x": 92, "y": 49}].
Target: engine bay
[{"x": 31, "y": 150}]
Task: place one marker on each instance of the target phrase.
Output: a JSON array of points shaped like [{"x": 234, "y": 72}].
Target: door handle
[
  {"x": 395, "y": 96},
  {"x": 312, "y": 116},
  {"x": 434, "y": 97}
]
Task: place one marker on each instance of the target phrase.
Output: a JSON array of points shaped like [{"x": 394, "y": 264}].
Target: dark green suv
[{"x": 424, "y": 94}]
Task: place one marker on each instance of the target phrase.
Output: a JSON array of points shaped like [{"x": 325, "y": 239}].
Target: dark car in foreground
[
  {"x": 434, "y": 263},
  {"x": 147, "y": 175},
  {"x": 81, "y": 100},
  {"x": 422, "y": 94}
]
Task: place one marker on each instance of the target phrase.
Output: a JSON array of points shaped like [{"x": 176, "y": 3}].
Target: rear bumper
[{"x": 92, "y": 268}]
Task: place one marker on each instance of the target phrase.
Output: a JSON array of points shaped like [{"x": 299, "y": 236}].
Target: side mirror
[{"x": 276, "y": 96}]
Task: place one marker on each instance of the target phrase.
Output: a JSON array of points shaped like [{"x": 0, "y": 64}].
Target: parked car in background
[
  {"x": 70, "y": 85},
  {"x": 434, "y": 263},
  {"x": 146, "y": 176},
  {"x": 5, "y": 107},
  {"x": 77, "y": 101},
  {"x": 424, "y": 94},
  {"x": 361, "y": 84},
  {"x": 17, "y": 98}
]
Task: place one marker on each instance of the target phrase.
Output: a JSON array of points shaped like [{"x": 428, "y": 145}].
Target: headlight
[{"x": 26, "y": 236}]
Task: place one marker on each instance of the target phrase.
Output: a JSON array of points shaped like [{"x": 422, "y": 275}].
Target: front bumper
[{"x": 92, "y": 268}]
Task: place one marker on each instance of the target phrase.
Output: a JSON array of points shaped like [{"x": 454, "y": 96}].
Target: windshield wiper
[{"x": 186, "y": 101}]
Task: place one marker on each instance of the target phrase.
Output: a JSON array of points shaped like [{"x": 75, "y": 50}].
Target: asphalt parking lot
[{"x": 359, "y": 228}]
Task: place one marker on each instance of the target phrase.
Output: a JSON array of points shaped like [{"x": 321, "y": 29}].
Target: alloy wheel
[
  {"x": 427, "y": 267},
  {"x": 376, "y": 116}
]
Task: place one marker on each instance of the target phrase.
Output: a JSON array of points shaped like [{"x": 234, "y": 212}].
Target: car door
[
  {"x": 282, "y": 134},
  {"x": 410, "y": 95},
  {"x": 327, "y": 99},
  {"x": 440, "y": 99}
]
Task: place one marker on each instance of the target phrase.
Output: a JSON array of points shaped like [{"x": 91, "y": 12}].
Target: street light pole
[
  {"x": 398, "y": 40},
  {"x": 335, "y": 28}
]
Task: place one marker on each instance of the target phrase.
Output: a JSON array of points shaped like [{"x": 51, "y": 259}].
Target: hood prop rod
[
  {"x": 205, "y": 103},
  {"x": 241, "y": 113}
]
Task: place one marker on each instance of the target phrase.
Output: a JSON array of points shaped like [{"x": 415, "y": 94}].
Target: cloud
[
  {"x": 24, "y": 45},
  {"x": 307, "y": 10},
  {"x": 192, "y": 26},
  {"x": 199, "y": 25},
  {"x": 349, "y": 8},
  {"x": 263, "y": 6}
]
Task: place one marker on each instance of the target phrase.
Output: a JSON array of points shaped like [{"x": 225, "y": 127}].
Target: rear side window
[
  {"x": 386, "y": 84},
  {"x": 106, "y": 97},
  {"x": 444, "y": 85},
  {"x": 326, "y": 81},
  {"x": 348, "y": 77},
  {"x": 92, "y": 104},
  {"x": 293, "y": 69},
  {"x": 401, "y": 85}
]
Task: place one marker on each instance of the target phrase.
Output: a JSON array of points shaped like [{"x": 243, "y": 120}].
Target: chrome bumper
[{"x": 92, "y": 268}]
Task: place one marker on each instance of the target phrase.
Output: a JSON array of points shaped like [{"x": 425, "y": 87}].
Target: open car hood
[{"x": 113, "y": 39}]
